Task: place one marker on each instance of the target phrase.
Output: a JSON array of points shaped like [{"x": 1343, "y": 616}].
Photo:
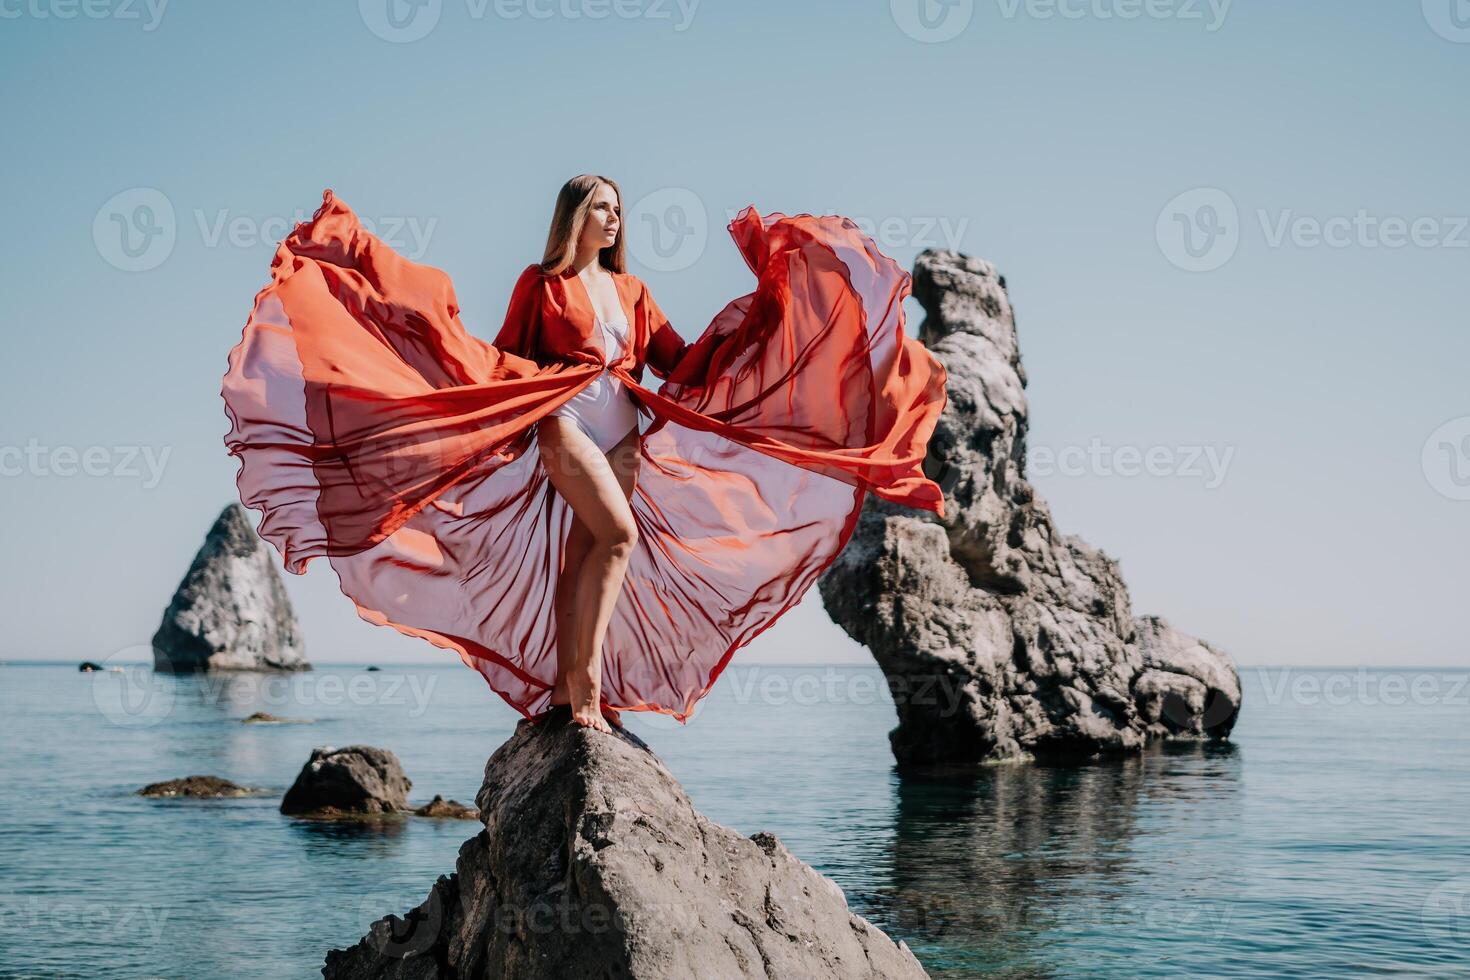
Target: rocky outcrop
[
  {"x": 1001, "y": 637},
  {"x": 593, "y": 863},
  {"x": 197, "y": 787},
  {"x": 356, "y": 780},
  {"x": 231, "y": 611},
  {"x": 1187, "y": 687}
]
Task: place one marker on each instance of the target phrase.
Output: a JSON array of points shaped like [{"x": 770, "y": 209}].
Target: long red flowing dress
[{"x": 371, "y": 428}]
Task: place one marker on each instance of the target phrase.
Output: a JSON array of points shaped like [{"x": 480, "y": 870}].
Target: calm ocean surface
[{"x": 1330, "y": 838}]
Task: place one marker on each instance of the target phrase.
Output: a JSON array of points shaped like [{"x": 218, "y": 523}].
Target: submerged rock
[
  {"x": 447, "y": 809},
  {"x": 356, "y": 780},
  {"x": 200, "y": 787},
  {"x": 231, "y": 611},
  {"x": 266, "y": 718},
  {"x": 1001, "y": 637},
  {"x": 594, "y": 863}
]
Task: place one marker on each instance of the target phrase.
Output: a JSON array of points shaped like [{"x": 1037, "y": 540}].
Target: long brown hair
[{"x": 573, "y": 204}]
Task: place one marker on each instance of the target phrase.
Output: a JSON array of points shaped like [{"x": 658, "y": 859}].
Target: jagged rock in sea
[
  {"x": 1001, "y": 637},
  {"x": 231, "y": 611},
  {"x": 355, "y": 780},
  {"x": 594, "y": 863}
]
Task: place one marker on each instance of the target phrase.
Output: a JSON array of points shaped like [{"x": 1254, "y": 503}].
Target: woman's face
[{"x": 603, "y": 221}]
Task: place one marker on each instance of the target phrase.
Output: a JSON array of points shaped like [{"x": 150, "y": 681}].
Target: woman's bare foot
[
  {"x": 590, "y": 717},
  {"x": 585, "y": 699}
]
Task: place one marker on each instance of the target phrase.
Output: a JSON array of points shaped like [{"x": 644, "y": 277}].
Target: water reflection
[
  {"x": 986, "y": 869},
  {"x": 352, "y": 837}
]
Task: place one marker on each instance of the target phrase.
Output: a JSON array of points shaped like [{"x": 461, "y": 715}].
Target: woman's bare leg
[
  {"x": 574, "y": 554},
  {"x": 585, "y": 478},
  {"x": 623, "y": 458}
]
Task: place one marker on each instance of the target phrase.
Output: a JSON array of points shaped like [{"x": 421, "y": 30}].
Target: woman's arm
[
  {"x": 665, "y": 347},
  {"x": 522, "y": 328}
]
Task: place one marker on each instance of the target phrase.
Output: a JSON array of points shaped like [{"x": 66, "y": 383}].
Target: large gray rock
[
  {"x": 352, "y": 780},
  {"x": 231, "y": 611},
  {"x": 1002, "y": 638},
  {"x": 593, "y": 863}
]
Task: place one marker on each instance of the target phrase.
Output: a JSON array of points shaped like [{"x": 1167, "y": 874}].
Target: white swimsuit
[{"x": 604, "y": 409}]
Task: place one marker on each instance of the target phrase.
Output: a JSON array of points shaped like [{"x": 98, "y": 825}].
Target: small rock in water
[
  {"x": 87, "y": 666},
  {"x": 265, "y": 718},
  {"x": 356, "y": 780},
  {"x": 201, "y": 787},
  {"x": 450, "y": 809}
]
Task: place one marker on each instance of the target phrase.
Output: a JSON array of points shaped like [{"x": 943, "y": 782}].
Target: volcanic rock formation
[
  {"x": 231, "y": 611},
  {"x": 1002, "y": 638},
  {"x": 593, "y": 863}
]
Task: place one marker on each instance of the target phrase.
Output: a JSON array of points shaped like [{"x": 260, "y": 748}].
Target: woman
[
  {"x": 589, "y": 444},
  {"x": 612, "y": 568}
]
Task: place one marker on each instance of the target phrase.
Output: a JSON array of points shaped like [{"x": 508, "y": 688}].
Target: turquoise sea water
[{"x": 1331, "y": 837}]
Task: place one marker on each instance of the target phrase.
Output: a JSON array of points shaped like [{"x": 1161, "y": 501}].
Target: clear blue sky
[{"x": 1049, "y": 139}]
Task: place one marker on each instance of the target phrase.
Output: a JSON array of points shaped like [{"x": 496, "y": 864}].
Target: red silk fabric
[{"x": 372, "y": 429}]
